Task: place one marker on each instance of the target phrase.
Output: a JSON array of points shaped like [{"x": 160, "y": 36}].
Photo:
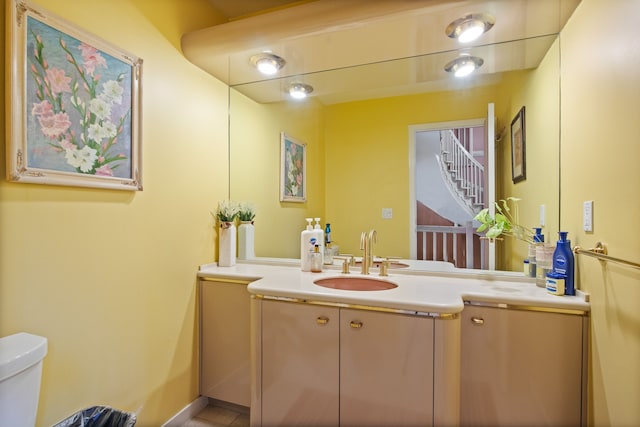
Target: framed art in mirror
[
  {"x": 293, "y": 165},
  {"x": 518, "y": 152},
  {"x": 73, "y": 105}
]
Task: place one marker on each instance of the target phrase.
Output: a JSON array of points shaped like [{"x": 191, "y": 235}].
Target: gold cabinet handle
[
  {"x": 477, "y": 321},
  {"x": 322, "y": 320},
  {"x": 355, "y": 324}
]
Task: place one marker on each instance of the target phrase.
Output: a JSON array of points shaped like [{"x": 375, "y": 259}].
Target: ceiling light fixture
[
  {"x": 299, "y": 90},
  {"x": 267, "y": 63},
  {"x": 464, "y": 65},
  {"x": 470, "y": 27}
]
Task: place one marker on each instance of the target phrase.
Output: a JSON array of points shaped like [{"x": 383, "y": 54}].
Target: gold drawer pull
[
  {"x": 477, "y": 321},
  {"x": 322, "y": 320},
  {"x": 355, "y": 324}
]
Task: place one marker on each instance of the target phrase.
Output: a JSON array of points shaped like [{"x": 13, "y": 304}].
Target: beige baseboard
[{"x": 188, "y": 412}]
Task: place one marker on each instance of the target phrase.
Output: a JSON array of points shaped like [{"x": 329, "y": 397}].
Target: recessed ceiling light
[
  {"x": 299, "y": 90},
  {"x": 267, "y": 63},
  {"x": 470, "y": 27},
  {"x": 464, "y": 65}
]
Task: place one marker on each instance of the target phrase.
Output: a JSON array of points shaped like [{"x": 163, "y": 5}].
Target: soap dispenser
[
  {"x": 307, "y": 244},
  {"x": 540, "y": 273},
  {"x": 316, "y": 260},
  {"x": 319, "y": 234},
  {"x": 537, "y": 238}
]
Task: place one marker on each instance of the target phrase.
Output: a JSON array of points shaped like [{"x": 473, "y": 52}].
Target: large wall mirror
[{"x": 356, "y": 128}]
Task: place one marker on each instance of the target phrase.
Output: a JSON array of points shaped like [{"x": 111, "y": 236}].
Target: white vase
[
  {"x": 245, "y": 240},
  {"x": 227, "y": 245}
]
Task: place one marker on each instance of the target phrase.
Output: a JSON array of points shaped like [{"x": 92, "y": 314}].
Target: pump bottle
[
  {"x": 319, "y": 235},
  {"x": 316, "y": 260},
  {"x": 538, "y": 239},
  {"x": 307, "y": 243},
  {"x": 563, "y": 262}
]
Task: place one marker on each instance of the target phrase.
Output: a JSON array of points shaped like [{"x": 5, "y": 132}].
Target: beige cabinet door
[
  {"x": 521, "y": 368},
  {"x": 386, "y": 369},
  {"x": 225, "y": 371},
  {"x": 300, "y": 361}
]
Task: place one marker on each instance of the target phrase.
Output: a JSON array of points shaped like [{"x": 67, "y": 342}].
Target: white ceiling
[{"x": 404, "y": 39}]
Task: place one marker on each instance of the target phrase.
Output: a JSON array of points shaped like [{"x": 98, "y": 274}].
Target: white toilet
[{"x": 20, "y": 371}]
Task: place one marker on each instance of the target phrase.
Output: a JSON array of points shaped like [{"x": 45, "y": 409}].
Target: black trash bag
[{"x": 99, "y": 416}]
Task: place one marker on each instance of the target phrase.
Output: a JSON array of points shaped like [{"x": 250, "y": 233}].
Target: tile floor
[{"x": 217, "y": 416}]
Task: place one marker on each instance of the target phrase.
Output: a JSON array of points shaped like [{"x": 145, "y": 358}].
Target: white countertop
[{"x": 423, "y": 287}]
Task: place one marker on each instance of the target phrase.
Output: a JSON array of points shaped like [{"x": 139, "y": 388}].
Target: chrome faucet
[{"x": 366, "y": 245}]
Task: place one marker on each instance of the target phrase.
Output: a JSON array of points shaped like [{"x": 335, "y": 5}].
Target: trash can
[{"x": 99, "y": 416}]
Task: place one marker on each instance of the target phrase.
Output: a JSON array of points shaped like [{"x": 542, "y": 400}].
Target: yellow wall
[
  {"x": 367, "y": 145},
  {"x": 255, "y": 177},
  {"x": 367, "y": 162},
  {"x": 538, "y": 90},
  {"x": 109, "y": 276},
  {"x": 600, "y": 152}
]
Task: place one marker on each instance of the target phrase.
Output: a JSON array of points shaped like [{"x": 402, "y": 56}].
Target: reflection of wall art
[
  {"x": 518, "y": 157},
  {"x": 75, "y": 105},
  {"x": 293, "y": 162}
]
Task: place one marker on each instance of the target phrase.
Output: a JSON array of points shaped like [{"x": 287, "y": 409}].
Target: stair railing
[{"x": 465, "y": 172}]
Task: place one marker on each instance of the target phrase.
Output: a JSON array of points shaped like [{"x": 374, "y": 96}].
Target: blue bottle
[
  {"x": 563, "y": 262},
  {"x": 327, "y": 234},
  {"x": 538, "y": 237}
]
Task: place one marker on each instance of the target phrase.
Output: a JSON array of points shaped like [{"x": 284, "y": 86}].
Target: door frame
[{"x": 430, "y": 127}]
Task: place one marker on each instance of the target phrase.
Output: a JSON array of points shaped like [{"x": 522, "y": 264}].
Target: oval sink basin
[
  {"x": 377, "y": 264},
  {"x": 355, "y": 284}
]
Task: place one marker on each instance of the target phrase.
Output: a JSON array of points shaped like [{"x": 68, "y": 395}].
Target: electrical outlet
[
  {"x": 542, "y": 216},
  {"x": 387, "y": 213},
  {"x": 587, "y": 216}
]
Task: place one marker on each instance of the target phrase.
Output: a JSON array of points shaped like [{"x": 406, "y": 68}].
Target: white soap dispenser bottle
[
  {"x": 307, "y": 244},
  {"x": 320, "y": 237}
]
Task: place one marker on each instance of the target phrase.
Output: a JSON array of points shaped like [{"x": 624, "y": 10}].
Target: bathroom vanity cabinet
[
  {"x": 521, "y": 367},
  {"x": 437, "y": 350},
  {"x": 319, "y": 365},
  {"x": 225, "y": 372}
]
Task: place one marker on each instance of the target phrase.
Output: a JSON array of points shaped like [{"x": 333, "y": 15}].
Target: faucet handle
[
  {"x": 347, "y": 260},
  {"x": 384, "y": 267},
  {"x": 386, "y": 264}
]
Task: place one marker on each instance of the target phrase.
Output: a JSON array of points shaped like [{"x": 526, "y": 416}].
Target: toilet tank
[{"x": 20, "y": 371}]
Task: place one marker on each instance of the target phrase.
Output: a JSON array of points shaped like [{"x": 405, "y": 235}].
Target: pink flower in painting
[
  {"x": 91, "y": 58},
  {"x": 66, "y": 144},
  {"x": 104, "y": 170},
  {"x": 58, "y": 80},
  {"x": 54, "y": 125},
  {"x": 42, "y": 108}
]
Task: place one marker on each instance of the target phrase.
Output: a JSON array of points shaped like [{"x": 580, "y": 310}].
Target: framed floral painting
[
  {"x": 293, "y": 174},
  {"x": 74, "y": 105}
]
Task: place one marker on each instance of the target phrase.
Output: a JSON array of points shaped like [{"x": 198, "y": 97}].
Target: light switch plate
[
  {"x": 387, "y": 213},
  {"x": 587, "y": 216}
]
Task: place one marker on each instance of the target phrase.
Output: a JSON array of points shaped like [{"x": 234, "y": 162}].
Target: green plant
[
  {"x": 246, "y": 212},
  {"x": 227, "y": 211},
  {"x": 505, "y": 221}
]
